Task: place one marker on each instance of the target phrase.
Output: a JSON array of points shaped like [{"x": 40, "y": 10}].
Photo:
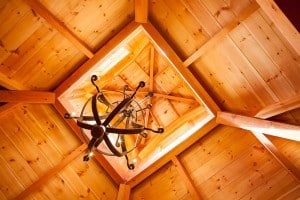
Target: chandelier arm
[
  {"x": 103, "y": 99},
  {"x": 129, "y": 165},
  {"x": 84, "y": 125},
  {"x": 95, "y": 110},
  {"x": 111, "y": 146},
  {"x": 116, "y": 111},
  {"x": 159, "y": 130},
  {"x": 129, "y": 131}
]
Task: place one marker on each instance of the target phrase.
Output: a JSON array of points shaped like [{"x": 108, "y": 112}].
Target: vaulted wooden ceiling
[{"x": 225, "y": 78}]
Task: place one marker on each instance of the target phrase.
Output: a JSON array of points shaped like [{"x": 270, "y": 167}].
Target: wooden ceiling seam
[
  {"x": 176, "y": 151},
  {"x": 199, "y": 92},
  {"x": 55, "y": 170},
  {"x": 7, "y": 108},
  {"x": 278, "y": 155},
  {"x": 27, "y": 96},
  {"x": 279, "y": 107},
  {"x": 186, "y": 178},
  {"x": 59, "y": 26},
  {"x": 281, "y": 22},
  {"x": 100, "y": 54},
  {"x": 221, "y": 34},
  {"x": 271, "y": 128}
]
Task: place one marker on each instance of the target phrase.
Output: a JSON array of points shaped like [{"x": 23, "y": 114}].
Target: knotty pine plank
[
  {"x": 261, "y": 62},
  {"x": 259, "y": 87},
  {"x": 27, "y": 25},
  {"x": 10, "y": 14},
  {"x": 54, "y": 128},
  {"x": 26, "y": 50},
  {"x": 171, "y": 28},
  {"x": 220, "y": 10},
  {"x": 249, "y": 171},
  {"x": 279, "y": 183},
  {"x": 166, "y": 180},
  {"x": 13, "y": 159},
  {"x": 102, "y": 186},
  {"x": 28, "y": 148},
  {"x": 275, "y": 49},
  {"x": 204, "y": 18},
  {"x": 216, "y": 69},
  {"x": 10, "y": 186},
  {"x": 211, "y": 158}
]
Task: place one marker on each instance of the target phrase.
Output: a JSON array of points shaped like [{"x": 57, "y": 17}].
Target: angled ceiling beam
[
  {"x": 186, "y": 178},
  {"x": 281, "y": 22},
  {"x": 9, "y": 107},
  {"x": 79, "y": 75},
  {"x": 56, "y": 169},
  {"x": 277, "y": 129},
  {"x": 27, "y": 96},
  {"x": 124, "y": 192},
  {"x": 258, "y": 127},
  {"x": 280, "y": 107},
  {"x": 288, "y": 165},
  {"x": 59, "y": 26},
  {"x": 190, "y": 80},
  {"x": 221, "y": 34},
  {"x": 141, "y": 11}
]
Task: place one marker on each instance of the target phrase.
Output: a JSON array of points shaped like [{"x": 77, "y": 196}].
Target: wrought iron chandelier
[{"x": 119, "y": 124}]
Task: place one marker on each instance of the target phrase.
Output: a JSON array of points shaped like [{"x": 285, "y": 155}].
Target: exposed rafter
[
  {"x": 279, "y": 107},
  {"x": 27, "y": 96},
  {"x": 141, "y": 11},
  {"x": 59, "y": 26},
  {"x": 278, "y": 129},
  {"x": 49, "y": 174},
  {"x": 221, "y": 34},
  {"x": 186, "y": 178},
  {"x": 124, "y": 192}
]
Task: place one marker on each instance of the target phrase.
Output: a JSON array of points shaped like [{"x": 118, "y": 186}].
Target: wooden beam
[
  {"x": 281, "y": 22},
  {"x": 27, "y": 96},
  {"x": 141, "y": 11},
  {"x": 59, "y": 26},
  {"x": 278, "y": 129},
  {"x": 7, "y": 108},
  {"x": 124, "y": 192},
  {"x": 291, "y": 194},
  {"x": 79, "y": 75},
  {"x": 189, "y": 79},
  {"x": 167, "y": 157},
  {"x": 56, "y": 169},
  {"x": 186, "y": 178},
  {"x": 288, "y": 165},
  {"x": 220, "y": 35},
  {"x": 280, "y": 107},
  {"x": 99, "y": 157}
]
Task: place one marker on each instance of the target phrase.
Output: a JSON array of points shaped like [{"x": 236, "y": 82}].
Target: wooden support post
[
  {"x": 278, "y": 129},
  {"x": 124, "y": 192},
  {"x": 141, "y": 11},
  {"x": 59, "y": 26},
  {"x": 56, "y": 169},
  {"x": 27, "y": 96},
  {"x": 186, "y": 178}
]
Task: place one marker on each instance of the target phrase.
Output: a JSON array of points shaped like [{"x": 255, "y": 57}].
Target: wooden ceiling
[{"x": 225, "y": 77}]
